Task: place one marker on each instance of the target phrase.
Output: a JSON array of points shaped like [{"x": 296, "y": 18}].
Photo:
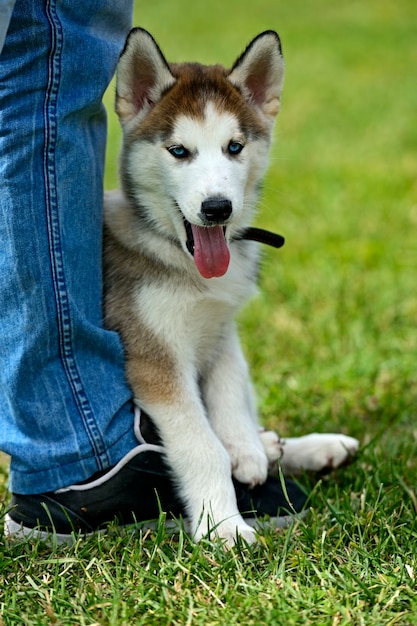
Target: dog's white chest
[{"x": 192, "y": 317}]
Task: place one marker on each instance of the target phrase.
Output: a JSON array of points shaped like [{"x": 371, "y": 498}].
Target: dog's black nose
[{"x": 216, "y": 210}]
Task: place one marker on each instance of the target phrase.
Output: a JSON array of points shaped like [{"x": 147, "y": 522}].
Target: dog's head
[{"x": 196, "y": 141}]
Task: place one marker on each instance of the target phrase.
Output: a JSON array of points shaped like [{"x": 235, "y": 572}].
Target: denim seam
[{"x": 57, "y": 266}]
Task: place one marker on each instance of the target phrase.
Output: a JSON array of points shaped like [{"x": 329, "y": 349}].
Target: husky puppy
[{"x": 178, "y": 267}]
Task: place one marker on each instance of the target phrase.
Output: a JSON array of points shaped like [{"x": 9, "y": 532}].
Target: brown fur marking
[
  {"x": 149, "y": 363},
  {"x": 197, "y": 85}
]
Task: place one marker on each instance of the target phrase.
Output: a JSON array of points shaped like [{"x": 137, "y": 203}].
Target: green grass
[{"x": 332, "y": 339}]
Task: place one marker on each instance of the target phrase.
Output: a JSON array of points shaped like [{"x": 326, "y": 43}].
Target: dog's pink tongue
[{"x": 211, "y": 254}]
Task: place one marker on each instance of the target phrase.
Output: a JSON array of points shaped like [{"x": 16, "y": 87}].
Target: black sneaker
[{"x": 135, "y": 491}]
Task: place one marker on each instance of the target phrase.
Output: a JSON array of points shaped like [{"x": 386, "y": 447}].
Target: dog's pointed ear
[
  {"x": 143, "y": 74},
  {"x": 259, "y": 72}
]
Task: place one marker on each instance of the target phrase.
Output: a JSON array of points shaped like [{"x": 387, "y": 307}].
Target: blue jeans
[{"x": 65, "y": 407}]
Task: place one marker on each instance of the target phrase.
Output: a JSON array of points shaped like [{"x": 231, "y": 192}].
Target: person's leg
[{"x": 65, "y": 409}]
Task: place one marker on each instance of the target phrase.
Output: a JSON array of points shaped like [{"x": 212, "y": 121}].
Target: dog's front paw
[
  {"x": 272, "y": 445},
  {"x": 229, "y": 531},
  {"x": 249, "y": 465},
  {"x": 317, "y": 452}
]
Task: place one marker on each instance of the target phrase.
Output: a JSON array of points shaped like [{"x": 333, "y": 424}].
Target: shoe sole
[{"x": 13, "y": 531}]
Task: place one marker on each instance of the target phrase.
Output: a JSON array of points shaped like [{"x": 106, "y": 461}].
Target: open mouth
[{"x": 208, "y": 246}]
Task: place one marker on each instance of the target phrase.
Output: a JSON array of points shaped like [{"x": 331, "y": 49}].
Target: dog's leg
[
  {"x": 231, "y": 409},
  {"x": 202, "y": 470},
  {"x": 317, "y": 452},
  {"x": 200, "y": 464}
]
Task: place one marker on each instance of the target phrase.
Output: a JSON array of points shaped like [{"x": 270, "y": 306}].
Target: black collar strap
[{"x": 262, "y": 236}]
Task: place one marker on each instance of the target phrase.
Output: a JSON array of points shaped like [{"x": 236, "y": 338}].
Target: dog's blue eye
[
  {"x": 179, "y": 152},
  {"x": 234, "y": 148}
]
